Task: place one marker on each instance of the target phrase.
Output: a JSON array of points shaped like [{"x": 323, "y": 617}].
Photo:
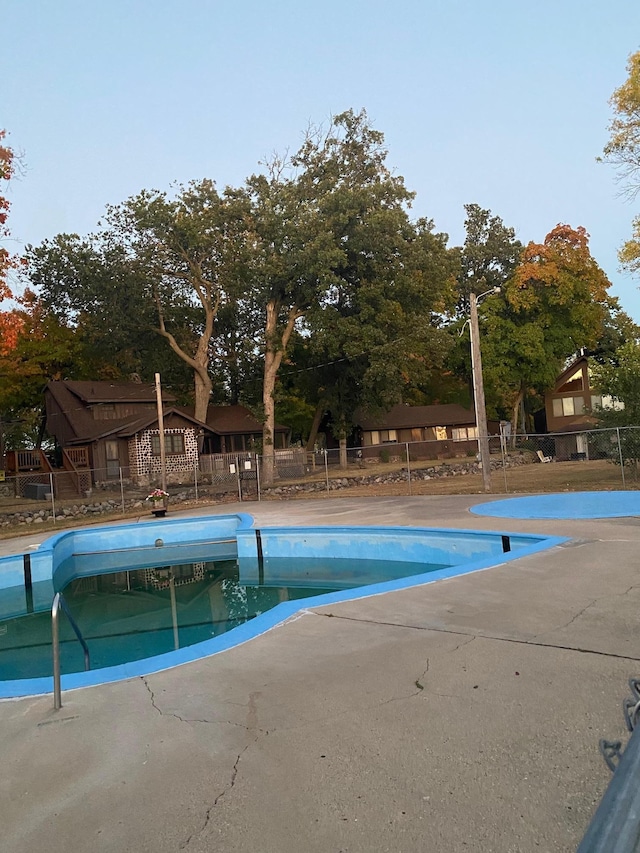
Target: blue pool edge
[{"x": 20, "y": 688}]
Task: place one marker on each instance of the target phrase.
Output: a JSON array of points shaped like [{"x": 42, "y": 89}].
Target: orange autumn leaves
[{"x": 11, "y": 321}]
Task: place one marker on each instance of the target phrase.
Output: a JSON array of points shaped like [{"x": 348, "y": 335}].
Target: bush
[{"x": 385, "y": 455}]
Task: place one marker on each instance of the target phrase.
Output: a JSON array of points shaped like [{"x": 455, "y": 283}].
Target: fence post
[
  {"x": 258, "y": 476},
  {"x": 624, "y": 485},
  {"x": 238, "y": 479},
  {"x": 504, "y": 463},
  {"x": 53, "y": 500},
  {"x": 121, "y": 490},
  {"x": 408, "y": 465},
  {"x": 326, "y": 468}
]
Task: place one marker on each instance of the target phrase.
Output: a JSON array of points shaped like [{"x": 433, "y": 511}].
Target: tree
[
  {"x": 43, "y": 349},
  {"x": 161, "y": 268},
  {"x": 488, "y": 259},
  {"x": 489, "y": 256},
  {"x": 623, "y": 150},
  {"x": 189, "y": 254},
  {"x": 9, "y": 320},
  {"x": 91, "y": 286},
  {"x": 382, "y": 334},
  {"x": 554, "y": 304},
  {"x": 619, "y": 379}
]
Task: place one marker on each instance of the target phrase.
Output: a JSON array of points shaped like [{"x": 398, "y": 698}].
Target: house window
[
  {"x": 388, "y": 435},
  {"x": 173, "y": 444},
  {"x": 464, "y": 433},
  {"x": 574, "y": 383},
  {"x": 105, "y": 412},
  {"x": 566, "y": 406},
  {"x": 441, "y": 433}
]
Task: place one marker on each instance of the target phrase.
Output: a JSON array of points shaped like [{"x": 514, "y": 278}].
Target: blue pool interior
[
  {"x": 614, "y": 504},
  {"x": 276, "y": 566}
]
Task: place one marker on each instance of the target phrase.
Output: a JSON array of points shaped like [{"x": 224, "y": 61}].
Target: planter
[{"x": 160, "y": 512}]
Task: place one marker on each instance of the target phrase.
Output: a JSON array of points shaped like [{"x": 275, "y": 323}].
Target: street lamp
[{"x": 478, "y": 388}]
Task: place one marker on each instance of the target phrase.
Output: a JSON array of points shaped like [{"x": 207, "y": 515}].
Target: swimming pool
[{"x": 267, "y": 558}]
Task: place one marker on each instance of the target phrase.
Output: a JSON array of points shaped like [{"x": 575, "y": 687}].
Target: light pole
[{"x": 478, "y": 388}]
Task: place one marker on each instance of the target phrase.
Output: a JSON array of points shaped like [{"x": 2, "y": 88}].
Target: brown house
[
  {"x": 568, "y": 407},
  {"x": 444, "y": 430},
  {"x": 112, "y": 428},
  {"x": 235, "y": 430}
]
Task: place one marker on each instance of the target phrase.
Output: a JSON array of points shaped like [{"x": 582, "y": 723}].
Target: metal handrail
[{"x": 58, "y": 604}]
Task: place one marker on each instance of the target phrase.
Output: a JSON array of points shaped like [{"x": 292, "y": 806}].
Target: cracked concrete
[{"x": 460, "y": 715}]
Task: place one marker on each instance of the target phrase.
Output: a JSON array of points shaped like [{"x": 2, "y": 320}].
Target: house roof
[
  {"x": 407, "y": 417},
  {"x": 234, "y": 420},
  {"x": 569, "y": 370},
  {"x": 74, "y": 398},
  {"x": 114, "y": 392}
]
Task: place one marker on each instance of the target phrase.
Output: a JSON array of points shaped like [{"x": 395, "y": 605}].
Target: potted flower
[{"x": 158, "y": 500}]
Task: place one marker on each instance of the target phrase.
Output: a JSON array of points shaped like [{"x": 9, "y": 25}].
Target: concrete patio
[{"x": 463, "y": 715}]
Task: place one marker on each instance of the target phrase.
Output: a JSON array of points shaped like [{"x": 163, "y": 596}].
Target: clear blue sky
[{"x": 499, "y": 102}]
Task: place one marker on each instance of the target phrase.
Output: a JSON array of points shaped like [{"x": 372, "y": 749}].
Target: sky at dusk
[{"x": 496, "y": 102}]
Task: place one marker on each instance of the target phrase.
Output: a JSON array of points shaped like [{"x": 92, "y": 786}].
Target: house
[
  {"x": 568, "y": 409},
  {"x": 434, "y": 431},
  {"x": 235, "y": 430},
  {"x": 111, "y": 429}
]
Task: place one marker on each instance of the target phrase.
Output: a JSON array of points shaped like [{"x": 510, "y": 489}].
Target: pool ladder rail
[{"x": 59, "y": 604}]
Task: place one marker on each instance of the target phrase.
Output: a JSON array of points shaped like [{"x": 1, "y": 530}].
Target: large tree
[
  {"x": 554, "y": 304},
  {"x": 151, "y": 282},
  {"x": 623, "y": 150},
  {"x": 327, "y": 222},
  {"x": 489, "y": 256},
  {"x": 380, "y": 333}
]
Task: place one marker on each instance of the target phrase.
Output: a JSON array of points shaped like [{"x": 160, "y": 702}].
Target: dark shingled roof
[
  {"x": 114, "y": 392},
  {"x": 234, "y": 420},
  {"x": 407, "y": 417}
]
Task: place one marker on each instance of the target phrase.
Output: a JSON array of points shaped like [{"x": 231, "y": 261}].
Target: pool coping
[{"x": 284, "y": 611}]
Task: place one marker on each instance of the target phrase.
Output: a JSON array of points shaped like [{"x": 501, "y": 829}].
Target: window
[
  {"x": 173, "y": 444},
  {"x": 441, "y": 433},
  {"x": 575, "y": 382},
  {"x": 105, "y": 412},
  {"x": 566, "y": 406},
  {"x": 464, "y": 433},
  {"x": 388, "y": 435}
]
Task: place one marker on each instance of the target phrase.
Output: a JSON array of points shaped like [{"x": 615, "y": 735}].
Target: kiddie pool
[{"x": 29, "y": 581}]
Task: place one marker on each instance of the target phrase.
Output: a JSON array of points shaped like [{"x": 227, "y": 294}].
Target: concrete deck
[{"x": 460, "y": 716}]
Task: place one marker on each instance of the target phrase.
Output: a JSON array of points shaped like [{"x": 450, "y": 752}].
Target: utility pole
[
  {"x": 478, "y": 392},
  {"x": 163, "y": 457}
]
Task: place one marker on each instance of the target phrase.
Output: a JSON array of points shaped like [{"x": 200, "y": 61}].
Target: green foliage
[{"x": 623, "y": 151}]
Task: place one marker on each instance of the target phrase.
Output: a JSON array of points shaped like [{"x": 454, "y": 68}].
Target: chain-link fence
[{"x": 573, "y": 461}]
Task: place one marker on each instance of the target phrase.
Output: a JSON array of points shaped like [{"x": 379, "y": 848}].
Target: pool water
[{"x": 132, "y": 614}]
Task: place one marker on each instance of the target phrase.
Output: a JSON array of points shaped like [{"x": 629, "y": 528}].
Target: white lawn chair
[{"x": 542, "y": 457}]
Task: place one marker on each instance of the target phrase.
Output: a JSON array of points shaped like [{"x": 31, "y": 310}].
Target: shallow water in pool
[{"x": 134, "y": 614}]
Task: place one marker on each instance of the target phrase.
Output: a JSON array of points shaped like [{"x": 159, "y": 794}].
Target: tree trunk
[
  {"x": 315, "y": 426},
  {"x": 514, "y": 415},
  {"x": 203, "y": 386},
  {"x": 343, "y": 451},
  {"x": 199, "y": 362},
  {"x": 276, "y": 340}
]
